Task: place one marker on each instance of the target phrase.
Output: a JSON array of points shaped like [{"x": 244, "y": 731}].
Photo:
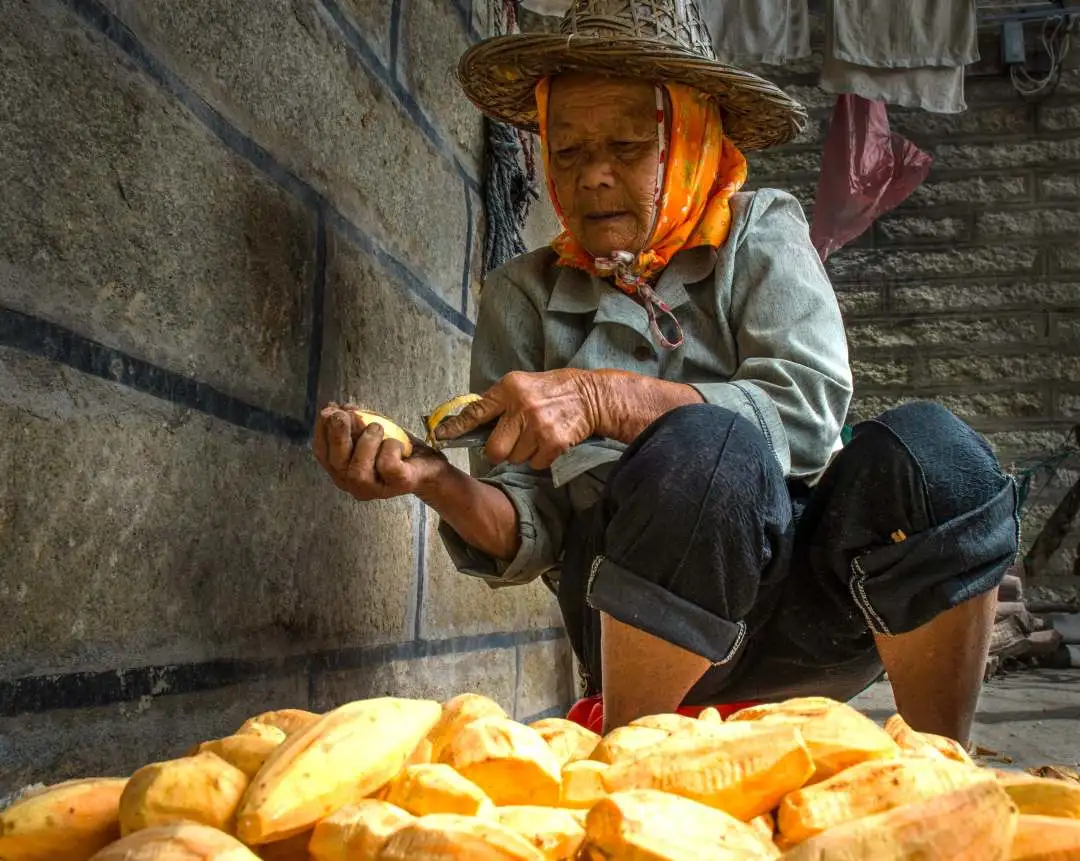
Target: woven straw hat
[{"x": 655, "y": 40}]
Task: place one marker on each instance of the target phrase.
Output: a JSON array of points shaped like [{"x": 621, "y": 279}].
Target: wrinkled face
[{"x": 602, "y": 140}]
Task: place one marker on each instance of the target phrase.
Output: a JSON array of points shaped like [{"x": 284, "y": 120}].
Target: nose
[{"x": 596, "y": 172}]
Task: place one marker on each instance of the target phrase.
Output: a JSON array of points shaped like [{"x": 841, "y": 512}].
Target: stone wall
[
  {"x": 969, "y": 292},
  {"x": 215, "y": 217}
]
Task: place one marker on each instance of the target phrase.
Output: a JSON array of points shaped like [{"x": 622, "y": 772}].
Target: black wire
[{"x": 1049, "y": 465}]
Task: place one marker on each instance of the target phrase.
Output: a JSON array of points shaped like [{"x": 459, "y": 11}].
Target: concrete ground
[{"x": 1032, "y": 716}]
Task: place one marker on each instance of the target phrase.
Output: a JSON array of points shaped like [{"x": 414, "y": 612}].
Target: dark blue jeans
[{"x": 700, "y": 541}]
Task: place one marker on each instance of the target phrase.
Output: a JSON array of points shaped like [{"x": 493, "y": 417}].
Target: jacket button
[{"x": 642, "y": 353}]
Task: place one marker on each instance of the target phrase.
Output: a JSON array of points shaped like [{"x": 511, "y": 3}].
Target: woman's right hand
[{"x": 366, "y": 466}]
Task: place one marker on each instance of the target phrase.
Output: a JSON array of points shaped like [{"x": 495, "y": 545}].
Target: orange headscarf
[{"x": 698, "y": 171}]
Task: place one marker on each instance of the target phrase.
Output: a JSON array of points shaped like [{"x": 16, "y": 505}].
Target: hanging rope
[
  {"x": 509, "y": 188},
  {"x": 507, "y": 194}
]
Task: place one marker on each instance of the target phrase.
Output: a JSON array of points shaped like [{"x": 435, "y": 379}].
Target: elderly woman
[{"x": 668, "y": 382}]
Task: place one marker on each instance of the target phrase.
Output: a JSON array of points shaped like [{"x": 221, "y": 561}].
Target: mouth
[{"x": 602, "y": 217}]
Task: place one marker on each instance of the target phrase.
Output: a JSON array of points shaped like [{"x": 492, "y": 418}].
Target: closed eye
[{"x": 629, "y": 148}]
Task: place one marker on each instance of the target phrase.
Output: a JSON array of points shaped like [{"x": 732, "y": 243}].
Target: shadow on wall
[{"x": 185, "y": 192}]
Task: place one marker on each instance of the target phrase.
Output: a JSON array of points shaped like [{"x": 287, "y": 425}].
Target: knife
[
  {"x": 478, "y": 437},
  {"x": 471, "y": 439}
]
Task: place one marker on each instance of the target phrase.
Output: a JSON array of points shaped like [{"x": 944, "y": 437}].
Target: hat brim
[{"x": 499, "y": 76}]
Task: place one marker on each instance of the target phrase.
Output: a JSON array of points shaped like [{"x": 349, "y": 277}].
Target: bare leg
[
  {"x": 642, "y": 674},
  {"x": 937, "y": 670}
]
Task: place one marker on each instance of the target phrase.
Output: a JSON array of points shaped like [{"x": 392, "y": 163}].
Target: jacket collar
[{"x": 577, "y": 292}]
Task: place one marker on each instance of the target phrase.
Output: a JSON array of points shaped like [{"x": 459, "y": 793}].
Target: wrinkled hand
[
  {"x": 366, "y": 466},
  {"x": 540, "y": 416}
]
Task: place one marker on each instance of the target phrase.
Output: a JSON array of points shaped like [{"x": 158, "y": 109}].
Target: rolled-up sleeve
[
  {"x": 793, "y": 379},
  {"x": 509, "y": 337}
]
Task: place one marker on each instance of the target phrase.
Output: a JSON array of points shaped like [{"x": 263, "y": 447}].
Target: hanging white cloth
[
  {"x": 547, "y": 7},
  {"x": 912, "y": 34},
  {"x": 911, "y": 53},
  {"x": 758, "y": 31}
]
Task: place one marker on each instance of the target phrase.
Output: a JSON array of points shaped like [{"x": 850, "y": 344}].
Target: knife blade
[
  {"x": 478, "y": 437},
  {"x": 471, "y": 439}
]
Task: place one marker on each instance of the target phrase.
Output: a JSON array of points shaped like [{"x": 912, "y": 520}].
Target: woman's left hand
[{"x": 541, "y": 415}]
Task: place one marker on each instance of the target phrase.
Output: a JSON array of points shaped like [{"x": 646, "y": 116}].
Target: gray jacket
[{"x": 763, "y": 337}]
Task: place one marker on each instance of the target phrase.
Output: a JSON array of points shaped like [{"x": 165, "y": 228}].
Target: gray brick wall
[
  {"x": 215, "y": 216},
  {"x": 969, "y": 292}
]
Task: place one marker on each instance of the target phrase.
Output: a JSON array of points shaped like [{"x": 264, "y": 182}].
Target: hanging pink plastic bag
[{"x": 866, "y": 170}]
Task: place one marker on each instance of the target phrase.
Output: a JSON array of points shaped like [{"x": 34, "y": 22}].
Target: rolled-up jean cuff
[
  {"x": 902, "y": 586},
  {"x": 651, "y": 608}
]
